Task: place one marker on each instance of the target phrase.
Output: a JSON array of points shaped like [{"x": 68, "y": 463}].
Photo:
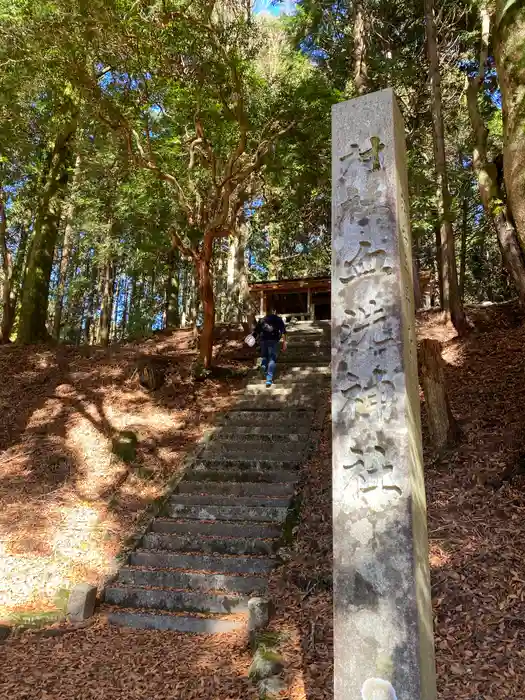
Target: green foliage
[{"x": 200, "y": 119}]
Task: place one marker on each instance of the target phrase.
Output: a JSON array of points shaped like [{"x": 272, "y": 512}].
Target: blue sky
[{"x": 273, "y": 8}]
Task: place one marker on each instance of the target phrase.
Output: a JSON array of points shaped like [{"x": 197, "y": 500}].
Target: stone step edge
[
  {"x": 211, "y": 538},
  {"x": 195, "y": 614},
  {"x": 170, "y": 622},
  {"x": 211, "y": 592},
  {"x": 153, "y": 569},
  {"x": 254, "y": 557}
]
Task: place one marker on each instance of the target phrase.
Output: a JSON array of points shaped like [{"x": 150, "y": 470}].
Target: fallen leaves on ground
[
  {"x": 476, "y": 513},
  {"x": 107, "y": 663},
  {"x": 67, "y": 502},
  {"x": 476, "y": 510}
]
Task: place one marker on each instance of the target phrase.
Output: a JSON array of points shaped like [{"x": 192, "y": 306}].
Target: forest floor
[
  {"x": 476, "y": 509},
  {"x": 68, "y": 500}
]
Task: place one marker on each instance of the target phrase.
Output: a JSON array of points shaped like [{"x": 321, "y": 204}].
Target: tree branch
[{"x": 178, "y": 243}]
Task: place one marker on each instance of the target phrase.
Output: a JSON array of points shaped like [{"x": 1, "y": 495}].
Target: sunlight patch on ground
[{"x": 68, "y": 497}]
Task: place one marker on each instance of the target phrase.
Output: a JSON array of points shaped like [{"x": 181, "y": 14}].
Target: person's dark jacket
[{"x": 270, "y": 327}]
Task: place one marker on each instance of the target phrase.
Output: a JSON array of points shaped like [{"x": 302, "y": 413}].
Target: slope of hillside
[
  {"x": 476, "y": 510},
  {"x": 69, "y": 496}
]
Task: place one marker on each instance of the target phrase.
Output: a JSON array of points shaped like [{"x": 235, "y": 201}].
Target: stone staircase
[{"x": 200, "y": 563}]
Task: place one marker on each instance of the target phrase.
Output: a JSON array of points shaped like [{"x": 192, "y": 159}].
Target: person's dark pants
[{"x": 269, "y": 352}]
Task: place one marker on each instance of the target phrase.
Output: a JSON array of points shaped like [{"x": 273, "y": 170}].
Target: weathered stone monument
[{"x": 383, "y": 618}]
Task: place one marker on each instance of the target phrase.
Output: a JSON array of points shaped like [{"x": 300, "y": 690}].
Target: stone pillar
[{"x": 383, "y": 618}]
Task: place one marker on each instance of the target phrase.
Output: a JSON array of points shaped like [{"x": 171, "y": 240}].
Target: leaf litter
[{"x": 476, "y": 510}]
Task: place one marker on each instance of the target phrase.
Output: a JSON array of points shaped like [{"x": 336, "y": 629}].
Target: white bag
[{"x": 250, "y": 340}]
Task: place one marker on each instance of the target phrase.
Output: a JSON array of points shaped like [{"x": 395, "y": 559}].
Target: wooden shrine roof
[{"x": 289, "y": 285}]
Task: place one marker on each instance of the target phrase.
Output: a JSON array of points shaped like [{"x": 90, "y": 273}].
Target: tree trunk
[
  {"x": 66, "y": 252},
  {"x": 232, "y": 281},
  {"x": 491, "y": 193},
  {"x": 125, "y": 310},
  {"x": 107, "y": 288},
  {"x": 439, "y": 264},
  {"x": 360, "y": 64},
  {"x": 452, "y": 301},
  {"x": 7, "y": 268},
  {"x": 274, "y": 267},
  {"x": 35, "y": 294},
  {"x": 442, "y": 425},
  {"x": 19, "y": 266},
  {"x": 207, "y": 300},
  {"x": 463, "y": 252},
  {"x": 220, "y": 281},
  {"x": 90, "y": 311},
  {"x": 172, "y": 312},
  {"x": 246, "y": 314},
  {"x": 509, "y": 49},
  {"x": 115, "y": 308}
]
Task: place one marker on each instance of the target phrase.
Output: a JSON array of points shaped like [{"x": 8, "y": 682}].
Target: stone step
[
  {"x": 232, "y": 476},
  {"x": 305, "y": 355},
  {"x": 172, "y": 599},
  {"x": 276, "y": 402},
  {"x": 304, "y": 361},
  {"x": 302, "y": 372},
  {"x": 211, "y": 499},
  {"x": 217, "y": 528},
  {"x": 266, "y": 419},
  {"x": 262, "y": 430},
  {"x": 254, "y": 449},
  {"x": 295, "y": 383},
  {"x": 235, "y": 463},
  {"x": 165, "y": 578},
  {"x": 265, "y": 435},
  {"x": 161, "y": 559},
  {"x": 265, "y": 514},
  {"x": 174, "y": 623},
  {"x": 229, "y": 488},
  {"x": 279, "y": 388},
  {"x": 208, "y": 545},
  {"x": 312, "y": 340}
]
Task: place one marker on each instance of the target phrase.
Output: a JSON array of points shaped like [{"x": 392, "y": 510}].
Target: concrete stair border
[{"x": 210, "y": 543}]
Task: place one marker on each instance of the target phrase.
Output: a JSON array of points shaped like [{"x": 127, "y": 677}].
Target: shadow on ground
[{"x": 68, "y": 495}]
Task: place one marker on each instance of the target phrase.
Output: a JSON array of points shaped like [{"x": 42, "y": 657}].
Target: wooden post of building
[
  {"x": 309, "y": 306},
  {"x": 261, "y": 304}
]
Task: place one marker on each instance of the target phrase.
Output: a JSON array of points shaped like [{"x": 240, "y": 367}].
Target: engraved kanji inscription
[
  {"x": 371, "y": 470},
  {"x": 366, "y": 261},
  {"x": 367, "y": 328},
  {"x": 372, "y": 397}
]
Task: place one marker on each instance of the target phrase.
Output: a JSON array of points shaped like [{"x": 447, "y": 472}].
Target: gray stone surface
[
  {"x": 224, "y": 500},
  {"x": 259, "y": 612},
  {"x": 208, "y": 545},
  {"x": 272, "y": 687},
  {"x": 383, "y": 621},
  {"x": 176, "y": 623},
  {"x": 193, "y": 580},
  {"x": 280, "y": 476},
  {"x": 217, "y": 528},
  {"x": 214, "y": 545},
  {"x": 252, "y": 450},
  {"x": 81, "y": 603},
  {"x": 172, "y": 599},
  {"x": 265, "y": 664},
  {"x": 238, "y": 462},
  {"x": 196, "y": 562},
  {"x": 255, "y": 513},
  {"x": 237, "y": 489}
]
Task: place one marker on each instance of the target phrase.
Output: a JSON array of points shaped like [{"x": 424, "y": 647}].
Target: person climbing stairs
[{"x": 200, "y": 563}]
